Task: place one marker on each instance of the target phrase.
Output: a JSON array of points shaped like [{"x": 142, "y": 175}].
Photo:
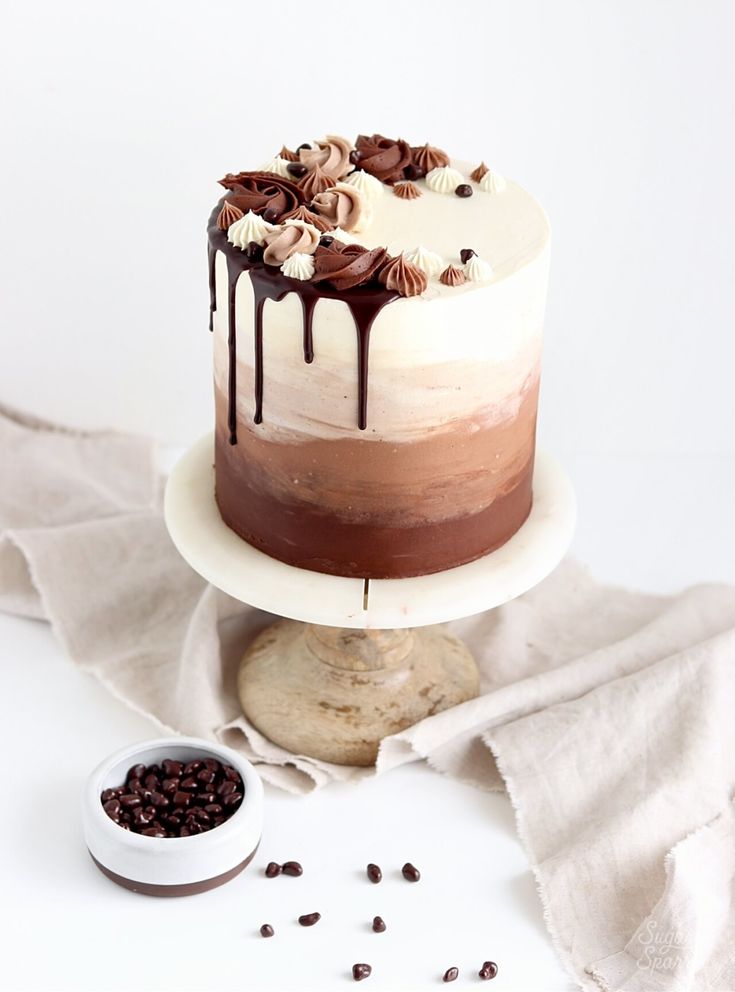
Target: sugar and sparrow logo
[{"x": 661, "y": 949}]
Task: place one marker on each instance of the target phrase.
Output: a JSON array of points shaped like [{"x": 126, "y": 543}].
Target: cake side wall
[{"x": 443, "y": 472}]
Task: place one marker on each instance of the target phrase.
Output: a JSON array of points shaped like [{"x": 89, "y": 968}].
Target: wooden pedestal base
[{"x": 333, "y": 693}]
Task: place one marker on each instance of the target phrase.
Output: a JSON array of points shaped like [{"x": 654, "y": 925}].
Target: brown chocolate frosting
[
  {"x": 407, "y": 191},
  {"x": 314, "y": 182},
  {"x": 228, "y": 215},
  {"x": 287, "y": 155},
  {"x": 344, "y": 266},
  {"x": 383, "y": 157},
  {"x": 309, "y": 217},
  {"x": 403, "y": 277},
  {"x": 264, "y": 193},
  {"x": 452, "y": 276},
  {"x": 427, "y": 157},
  {"x": 477, "y": 174}
]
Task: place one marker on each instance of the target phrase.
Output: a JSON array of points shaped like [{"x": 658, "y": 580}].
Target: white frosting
[
  {"x": 249, "y": 228},
  {"x": 346, "y": 237},
  {"x": 478, "y": 270},
  {"x": 428, "y": 261},
  {"x": 298, "y": 266},
  {"x": 445, "y": 179},
  {"x": 492, "y": 182},
  {"x": 277, "y": 165},
  {"x": 370, "y": 187}
]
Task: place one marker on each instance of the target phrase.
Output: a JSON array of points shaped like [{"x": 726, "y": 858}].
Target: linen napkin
[{"x": 607, "y": 714}]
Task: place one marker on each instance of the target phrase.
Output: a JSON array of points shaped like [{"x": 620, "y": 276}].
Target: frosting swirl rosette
[
  {"x": 332, "y": 155},
  {"x": 264, "y": 193},
  {"x": 295, "y": 236},
  {"x": 383, "y": 157},
  {"x": 345, "y": 266},
  {"x": 342, "y": 206}
]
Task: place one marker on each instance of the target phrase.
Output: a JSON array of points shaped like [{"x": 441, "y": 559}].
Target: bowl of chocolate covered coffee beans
[{"x": 173, "y": 816}]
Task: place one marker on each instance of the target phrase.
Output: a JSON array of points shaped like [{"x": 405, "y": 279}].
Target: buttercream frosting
[
  {"x": 332, "y": 154},
  {"x": 444, "y": 179},
  {"x": 250, "y": 227},
  {"x": 368, "y": 185},
  {"x": 403, "y": 277},
  {"x": 295, "y": 236},
  {"x": 277, "y": 165},
  {"x": 298, "y": 266},
  {"x": 492, "y": 182},
  {"x": 478, "y": 270},
  {"x": 407, "y": 191},
  {"x": 428, "y": 261},
  {"x": 342, "y": 206}
]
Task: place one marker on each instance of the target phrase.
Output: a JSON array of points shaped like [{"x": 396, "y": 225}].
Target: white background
[{"x": 115, "y": 123}]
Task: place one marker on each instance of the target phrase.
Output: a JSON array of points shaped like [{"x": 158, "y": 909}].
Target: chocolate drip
[
  {"x": 233, "y": 274},
  {"x": 269, "y": 283},
  {"x": 212, "y": 258}
]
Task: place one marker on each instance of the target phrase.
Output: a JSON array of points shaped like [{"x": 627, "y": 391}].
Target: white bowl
[{"x": 172, "y": 866}]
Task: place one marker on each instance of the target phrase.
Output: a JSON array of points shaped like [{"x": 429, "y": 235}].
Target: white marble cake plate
[{"x": 231, "y": 564}]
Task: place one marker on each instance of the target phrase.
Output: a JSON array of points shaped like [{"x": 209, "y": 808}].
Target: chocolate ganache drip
[{"x": 338, "y": 270}]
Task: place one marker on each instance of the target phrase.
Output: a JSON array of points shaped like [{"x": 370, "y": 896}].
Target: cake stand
[{"x": 357, "y": 659}]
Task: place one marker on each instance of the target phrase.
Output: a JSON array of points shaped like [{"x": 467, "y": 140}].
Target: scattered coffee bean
[
  {"x": 463, "y": 190},
  {"x": 272, "y": 869},
  {"x": 413, "y": 172},
  {"x": 355, "y": 156},
  {"x": 378, "y": 924},
  {"x": 297, "y": 170},
  {"x": 271, "y": 215},
  {"x": 292, "y": 868},
  {"x": 309, "y": 919},
  {"x": 410, "y": 873},
  {"x": 374, "y": 874},
  {"x": 305, "y": 145},
  {"x": 489, "y": 970},
  {"x": 450, "y": 975},
  {"x": 164, "y": 800},
  {"x": 254, "y": 252},
  {"x": 466, "y": 254},
  {"x": 360, "y": 971},
  {"x": 326, "y": 240},
  {"x": 267, "y": 930}
]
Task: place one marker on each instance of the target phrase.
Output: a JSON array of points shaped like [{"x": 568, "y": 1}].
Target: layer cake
[{"x": 377, "y": 311}]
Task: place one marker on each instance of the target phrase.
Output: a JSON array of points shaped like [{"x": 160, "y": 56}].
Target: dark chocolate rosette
[
  {"x": 345, "y": 266},
  {"x": 264, "y": 193},
  {"x": 382, "y": 157}
]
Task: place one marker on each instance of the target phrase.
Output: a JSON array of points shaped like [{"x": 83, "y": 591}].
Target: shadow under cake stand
[{"x": 357, "y": 659}]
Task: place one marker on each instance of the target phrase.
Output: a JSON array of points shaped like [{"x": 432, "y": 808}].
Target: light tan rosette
[
  {"x": 288, "y": 239},
  {"x": 342, "y": 206},
  {"x": 332, "y": 155}
]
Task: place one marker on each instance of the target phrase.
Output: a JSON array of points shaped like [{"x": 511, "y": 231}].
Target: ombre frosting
[{"x": 376, "y": 390}]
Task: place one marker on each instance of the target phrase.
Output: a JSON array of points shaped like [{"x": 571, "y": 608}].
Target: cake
[{"x": 377, "y": 311}]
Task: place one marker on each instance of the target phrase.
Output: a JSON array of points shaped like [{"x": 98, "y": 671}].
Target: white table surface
[{"x": 65, "y": 927}]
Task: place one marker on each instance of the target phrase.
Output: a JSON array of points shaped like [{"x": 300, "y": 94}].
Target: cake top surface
[{"x": 379, "y": 214}]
